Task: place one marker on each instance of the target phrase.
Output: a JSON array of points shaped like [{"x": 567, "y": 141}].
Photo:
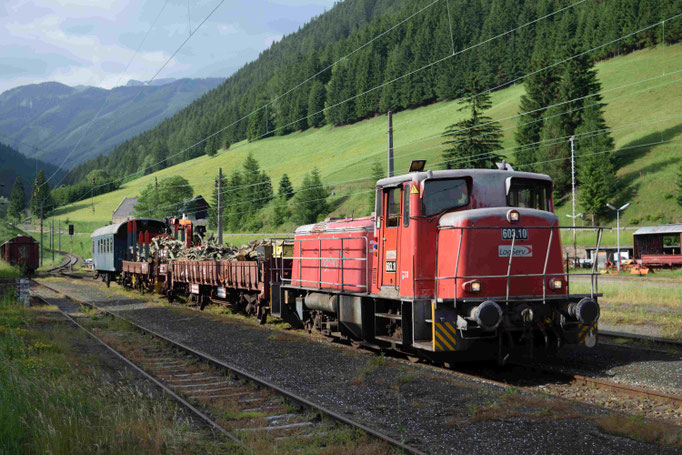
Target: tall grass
[
  {"x": 53, "y": 402},
  {"x": 8, "y": 270}
]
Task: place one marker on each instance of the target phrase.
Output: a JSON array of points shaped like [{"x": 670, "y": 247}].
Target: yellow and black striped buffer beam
[
  {"x": 584, "y": 330},
  {"x": 445, "y": 336}
]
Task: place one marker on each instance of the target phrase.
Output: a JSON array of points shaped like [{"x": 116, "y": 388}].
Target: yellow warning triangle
[{"x": 414, "y": 190}]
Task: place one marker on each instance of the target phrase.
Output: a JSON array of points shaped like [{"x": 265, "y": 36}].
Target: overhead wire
[
  {"x": 220, "y": 2},
  {"x": 542, "y": 69},
  {"x": 562, "y": 61},
  {"x": 109, "y": 95},
  {"x": 518, "y": 115},
  {"x": 542, "y": 143},
  {"x": 527, "y": 24}
]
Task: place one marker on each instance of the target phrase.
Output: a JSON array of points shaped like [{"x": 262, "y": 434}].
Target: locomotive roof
[
  {"x": 113, "y": 229},
  {"x": 478, "y": 175}
]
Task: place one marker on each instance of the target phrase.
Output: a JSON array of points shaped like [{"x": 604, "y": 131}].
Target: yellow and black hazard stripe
[
  {"x": 444, "y": 336},
  {"x": 584, "y": 330}
]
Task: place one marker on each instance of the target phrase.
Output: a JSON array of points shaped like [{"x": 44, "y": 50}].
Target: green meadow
[{"x": 645, "y": 117}]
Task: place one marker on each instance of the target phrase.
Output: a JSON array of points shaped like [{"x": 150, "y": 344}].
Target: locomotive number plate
[
  {"x": 390, "y": 266},
  {"x": 508, "y": 233}
]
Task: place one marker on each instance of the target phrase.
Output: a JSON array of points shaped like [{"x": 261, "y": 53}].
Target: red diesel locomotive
[{"x": 454, "y": 264}]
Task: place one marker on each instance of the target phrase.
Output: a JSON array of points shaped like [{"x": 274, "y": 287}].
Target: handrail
[
  {"x": 508, "y": 276},
  {"x": 342, "y": 258}
]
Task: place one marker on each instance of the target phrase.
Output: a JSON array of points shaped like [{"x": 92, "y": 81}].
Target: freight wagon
[{"x": 22, "y": 251}]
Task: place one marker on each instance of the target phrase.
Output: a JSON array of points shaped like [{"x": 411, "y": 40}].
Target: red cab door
[{"x": 389, "y": 236}]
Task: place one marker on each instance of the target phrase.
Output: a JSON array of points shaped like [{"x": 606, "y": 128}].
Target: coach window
[
  {"x": 406, "y": 205},
  {"x": 393, "y": 207},
  {"x": 529, "y": 193}
]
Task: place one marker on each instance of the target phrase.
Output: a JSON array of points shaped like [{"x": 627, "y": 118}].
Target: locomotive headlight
[
  {"x": 513, "y": 216},
  {"x": 556, "y": 283},
  {"x": 472, "y": 286}
]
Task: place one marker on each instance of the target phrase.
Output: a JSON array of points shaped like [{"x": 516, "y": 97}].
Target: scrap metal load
[{"x": 171, "y": 249}]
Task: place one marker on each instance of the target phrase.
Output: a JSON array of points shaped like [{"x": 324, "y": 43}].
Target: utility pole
[
  {"x": 390, "y": 143},
  {"x": 618, "y": 228},
  {"x": 92, "y": 194},
  {"x": 41, "y": 235},
  {"x": 572, "y": 141},
  {"x": 52, "y": 238},
  {"x": 220, "y": 206},
  {"x": 59, "y": 226}
]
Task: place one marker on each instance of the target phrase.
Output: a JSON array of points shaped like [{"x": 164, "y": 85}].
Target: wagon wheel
[
  {"x": 202, "y": 302},
  {"x": 355, "y": 344},
  {"x": 107, "y": 280},
  {"x": 413, "y": 358}
]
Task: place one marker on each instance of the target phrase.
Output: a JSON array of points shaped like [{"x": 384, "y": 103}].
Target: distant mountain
[
  {"x": 154, "y": 83},
  {"x": 13, "y": 164},
  {"x": 47, "y": 120}
]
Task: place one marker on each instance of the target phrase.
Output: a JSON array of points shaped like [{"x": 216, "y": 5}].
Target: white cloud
[{"x": 227, "y": 29}]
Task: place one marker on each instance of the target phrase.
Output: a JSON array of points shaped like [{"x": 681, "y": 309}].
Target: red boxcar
[{"x": 22, "y": 251}]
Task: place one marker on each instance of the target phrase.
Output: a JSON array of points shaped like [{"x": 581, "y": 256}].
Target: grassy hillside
[{"x": 639, "y": 114}]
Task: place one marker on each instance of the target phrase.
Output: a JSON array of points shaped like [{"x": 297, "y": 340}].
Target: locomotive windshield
[
  {"x": 529, "y": 193},
  {"x": 443, "y": 195}
]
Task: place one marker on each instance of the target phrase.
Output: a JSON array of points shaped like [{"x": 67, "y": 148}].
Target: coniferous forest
[{"x": 419, "y": 61}]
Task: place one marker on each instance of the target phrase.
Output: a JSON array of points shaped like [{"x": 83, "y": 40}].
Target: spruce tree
[
  {"x": 311, "y": 199},
  {"x": 596, "y": 172},
  {"x": 41, "y": 202},
  {"x": 540, "y": 93},
  {"x": 285, "y": 190},
  {"x": 578, "y": 80},
  {"x": 233, "y": 206},
  {"x": 316, "y": 100},
  {"x": 473, "y": 143},
  {"x": 17, "y": 201},
  {"x": 281, "y": 212}
]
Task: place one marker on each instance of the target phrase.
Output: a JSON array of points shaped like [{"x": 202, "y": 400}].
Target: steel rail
[
  {"x": 603, "y": 384},
  {"x": 236, "y": 371},
  {"x": 162, "y": 386}
]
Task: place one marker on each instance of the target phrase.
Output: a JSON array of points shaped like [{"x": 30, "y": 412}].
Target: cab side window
[
  {"x": 406, "y": 205},
  {"x": 392, "y": 207}
]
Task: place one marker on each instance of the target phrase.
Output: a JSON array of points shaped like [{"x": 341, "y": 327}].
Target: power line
[
  {"x": 510, "y": 82},
  {"x": 521, "y": 114},
  {"x": 543, "y": 143},
  {"x": 484, "y": 91},
  {"x": 363, "y": 93},
  {"x": 150, "y": 80}
]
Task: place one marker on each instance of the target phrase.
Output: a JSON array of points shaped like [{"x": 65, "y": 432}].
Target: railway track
[
  {"x": 258, "y": 409},
  {"x": 69, "y": 261}
]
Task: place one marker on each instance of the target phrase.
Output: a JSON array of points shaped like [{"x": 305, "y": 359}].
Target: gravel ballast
[{"x": 436, "y": 411}]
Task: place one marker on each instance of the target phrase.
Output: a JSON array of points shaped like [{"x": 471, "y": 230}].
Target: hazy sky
[{"x": 90, "y": 42}]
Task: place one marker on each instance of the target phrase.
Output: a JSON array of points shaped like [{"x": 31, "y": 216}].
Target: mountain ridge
[{"x": 46, "y": 120}]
